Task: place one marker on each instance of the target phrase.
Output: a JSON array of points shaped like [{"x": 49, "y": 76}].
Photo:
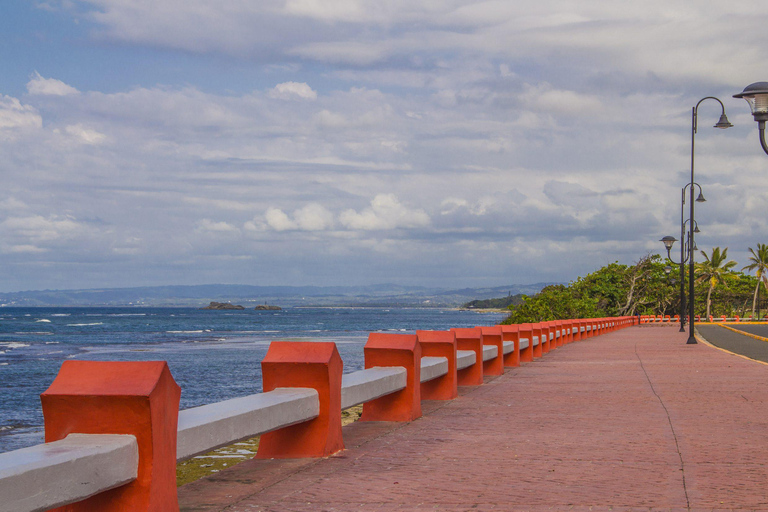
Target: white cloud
[
  {"x": 40, "y": 86},
  {"x": 311, "y": 217},
  {"x": 42, "y": 229},
  {"x": 293, "y": 90},
  {"x": 385, "y": 212},
  {"x": 210, "y": 226},
  {"x": 278, "y": 220},
  {"x": 15, "y": 116},
  {"x": 85, "y": 135}
]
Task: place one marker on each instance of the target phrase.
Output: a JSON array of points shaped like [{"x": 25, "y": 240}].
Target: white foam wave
[
  {"x": 3, "y": 364},
  {"x": 14, "y": 344},
  {"x": 127, "y": 314},
  {"x": 61, "y": 314},
  {"x": 85, "y": 325},
  {"x": 44, "y": 320},
  {"x": 186, "y": 332}
]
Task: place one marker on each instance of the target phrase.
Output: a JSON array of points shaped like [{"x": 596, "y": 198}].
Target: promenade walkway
[{"x": 631, "y": 420}]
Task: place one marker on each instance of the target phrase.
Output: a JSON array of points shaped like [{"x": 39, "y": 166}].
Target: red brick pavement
[{"x": 631, "y": 420}]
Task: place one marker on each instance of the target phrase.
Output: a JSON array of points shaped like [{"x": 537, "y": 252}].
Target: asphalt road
[{"x": 738, "y": 343}]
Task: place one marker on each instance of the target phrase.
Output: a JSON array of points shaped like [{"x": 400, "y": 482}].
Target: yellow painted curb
[
  {"x": 761, "y": 338},
  {"x": 704, "y": 341}
]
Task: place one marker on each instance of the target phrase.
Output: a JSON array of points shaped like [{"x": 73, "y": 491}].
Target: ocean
[{"x": 213, "y": 355}]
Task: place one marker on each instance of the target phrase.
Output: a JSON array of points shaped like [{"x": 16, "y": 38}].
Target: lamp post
[
  {"x": 669, "y": 241},
  {"x": 756, "y": 95},
  {"x": 721, "y": 123}
]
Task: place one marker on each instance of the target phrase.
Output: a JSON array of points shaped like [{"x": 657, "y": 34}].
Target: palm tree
[
  {"x": 714, "y": 270},
  {"x": 759, "y": 263}
]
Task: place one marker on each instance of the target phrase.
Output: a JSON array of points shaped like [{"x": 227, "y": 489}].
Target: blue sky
[{"x": 439, "y": 143}]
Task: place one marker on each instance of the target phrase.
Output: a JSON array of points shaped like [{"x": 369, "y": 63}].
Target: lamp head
[
  {"x": 667, "y": 269},
  {"x": 668, "y": 242},
  {"x": 701, "y": 199},
  {"x": 756, "y": 95},
  {"x": 723, "y": 123}
]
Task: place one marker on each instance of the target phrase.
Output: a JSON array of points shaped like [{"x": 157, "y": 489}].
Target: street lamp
[
  {"x": 684, "y": 252},
  {"x": 756, "y": 95},
  {"x": 721, "y": 123}
]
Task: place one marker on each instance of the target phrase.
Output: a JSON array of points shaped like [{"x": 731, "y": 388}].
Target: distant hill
[
  {"x": 249, "y": 296},
  {"x": 501, "y": 303}
]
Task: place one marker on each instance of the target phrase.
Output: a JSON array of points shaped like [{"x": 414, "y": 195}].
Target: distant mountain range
[{"x": 250, "y": 296}]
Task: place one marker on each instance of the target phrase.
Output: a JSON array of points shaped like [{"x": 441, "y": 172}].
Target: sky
[{"x": 444, "y": 143}]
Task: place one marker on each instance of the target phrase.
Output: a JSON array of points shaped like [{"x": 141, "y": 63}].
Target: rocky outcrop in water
[
  {"x": 222, "y": 305},
  {"x": 264, "y": 307}
]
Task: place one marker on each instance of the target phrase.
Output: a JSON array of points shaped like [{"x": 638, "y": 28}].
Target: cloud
[
  {"x": 84, "y": 135},
  {"x": 385, "y": 212},
  {"x": 312, "y": 217},
  {"x": 207, "y": 225},
  {"x": 293, "y": 90},
  {"x": 34, "y": 230},
  {"x": 16, "y": 116},
  {"x": 39, "y": 86}
]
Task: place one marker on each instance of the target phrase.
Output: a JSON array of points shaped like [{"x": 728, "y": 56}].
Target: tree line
[{"x": 649, "y": 288}]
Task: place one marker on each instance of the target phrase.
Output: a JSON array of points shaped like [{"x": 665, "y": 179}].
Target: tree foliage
[{"x": 645, "y": 288}]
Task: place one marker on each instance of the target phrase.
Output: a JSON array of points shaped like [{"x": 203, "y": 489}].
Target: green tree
[
  {"x": 758, "y": 263},
  {"x": 714, "y": 270}
]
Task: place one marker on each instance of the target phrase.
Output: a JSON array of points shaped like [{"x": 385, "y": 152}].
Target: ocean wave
[
  {"x": 127, "y": 314},
  {"x": 187, "y": 332},
  {"x": 13, "y": 344},
  {"x": 85, "y": 325},
  {"x": 62, "y": 314},
  {"x": 47, "y": 333},
  {"x": 44, "y": 320},
  {"x": 4, "y": 364}
]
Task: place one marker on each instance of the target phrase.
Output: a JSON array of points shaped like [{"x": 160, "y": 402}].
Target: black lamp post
[
  {"x": 756, "y": 95},
  {"x": 685, "y": 253},
  {"x": 692, "y": 226}
]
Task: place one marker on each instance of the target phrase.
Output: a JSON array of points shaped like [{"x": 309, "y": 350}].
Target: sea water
[{"x": 213, "y": 355}]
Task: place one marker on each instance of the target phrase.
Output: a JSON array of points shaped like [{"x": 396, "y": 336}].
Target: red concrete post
[
  {"x": 526, "y": 331},
  {"x": 576, "y": 329},
  {"x": 512, "y": 333},
  {"x": 137, "y": 398},
  {"x": 491, "y": 335},
  {"x": 304, "y": 364},
  {"x": 538, "y": 350},
  {"x": 439, "y": 344},
  {"x": 470, "y": 339},
  {"x": 546, "y": 333},
  {"x": 395, "y": 350},
  {"x": 559, "y": 328}
]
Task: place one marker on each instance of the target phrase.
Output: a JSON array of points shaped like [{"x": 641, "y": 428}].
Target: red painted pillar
[
  {"x": 538, "y": 350},
  {"x": 439, "y": 344},
  {"x": 384, "y": 349},
  {"x": 470, "y": 339},
  {"x": 525, "y": 331},
  {"x": 304, "y": 364},
  {"x": 137, "y": 398},
  {"x": 491, "y": 335},
  {"x": 512, "y": 333}
]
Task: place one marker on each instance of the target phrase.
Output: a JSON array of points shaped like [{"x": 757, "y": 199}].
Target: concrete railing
[{"x": 114, "y": 432}]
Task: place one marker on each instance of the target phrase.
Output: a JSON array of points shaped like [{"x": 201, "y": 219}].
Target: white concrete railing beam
[
  {"x": 465, "y": 359},
  {"x": 62, "y": 472},
  {"x": 524, "y": 343},
  {"x": 490, "y": 352},
  {"x": 366, "y": 385},
  {"x": 204, "y": 428},
  {"x": 509, "y": 347},
  {"x": 433, "y": 367}
]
